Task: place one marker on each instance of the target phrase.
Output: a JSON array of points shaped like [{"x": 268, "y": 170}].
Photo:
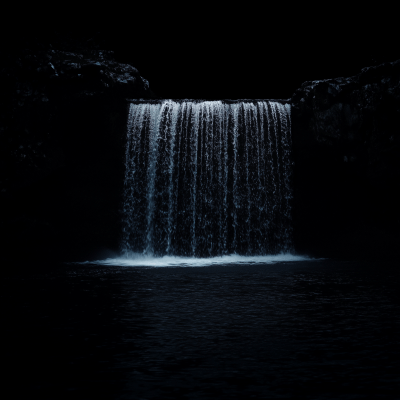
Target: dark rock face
[
  {"x": 346, "y": 144},
  {"x": 62, "y": 125},
  {"x": 63, "y": 115}
]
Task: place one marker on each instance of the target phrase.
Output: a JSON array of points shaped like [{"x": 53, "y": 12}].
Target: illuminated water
[
  {"x": 207, "y": 178},
  {"x": 311, "y": 329},
  {"x": 140, "y": 260},
  {"x": 194, "y": 309}
]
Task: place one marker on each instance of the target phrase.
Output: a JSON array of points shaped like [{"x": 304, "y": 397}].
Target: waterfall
[{"x": 208, "y": 178}]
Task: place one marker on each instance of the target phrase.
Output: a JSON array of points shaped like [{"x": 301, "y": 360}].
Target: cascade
[{"x": 208, "y": 178}]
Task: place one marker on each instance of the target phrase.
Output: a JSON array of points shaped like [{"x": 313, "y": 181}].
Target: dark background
[
  {"x": 217, "y": 52},
  {"x": 253, "y": 52}
]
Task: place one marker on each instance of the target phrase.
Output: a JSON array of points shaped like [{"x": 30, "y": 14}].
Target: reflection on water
[{"x": 310, "y": 329}]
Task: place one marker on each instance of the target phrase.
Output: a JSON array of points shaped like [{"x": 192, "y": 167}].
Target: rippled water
[{"x": 313, "y": 329}]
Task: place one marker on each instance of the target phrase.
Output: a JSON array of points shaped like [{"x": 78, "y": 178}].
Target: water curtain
[{"x": 208, "y": 178}]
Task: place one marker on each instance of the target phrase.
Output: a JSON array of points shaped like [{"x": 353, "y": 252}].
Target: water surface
[{"x": 312, "y": 329}]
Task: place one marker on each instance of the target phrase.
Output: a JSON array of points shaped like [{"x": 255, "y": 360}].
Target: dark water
[{"x": 312, "y": 330}]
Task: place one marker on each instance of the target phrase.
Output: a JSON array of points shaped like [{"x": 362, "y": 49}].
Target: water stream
[{"x": 208, "y": 178}]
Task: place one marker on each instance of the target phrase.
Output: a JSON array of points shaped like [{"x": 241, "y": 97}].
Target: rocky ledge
[
  {"x": 63, "y": 114},
  {"x": 62, "y": 126},
  {"x": 346, "y": 145}
]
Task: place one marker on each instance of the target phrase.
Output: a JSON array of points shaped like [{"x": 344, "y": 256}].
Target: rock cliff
[
  {"x": 63, "y": 114},
  {"x": 62, "y": 126},
  {"x": 346, "y": 144}
]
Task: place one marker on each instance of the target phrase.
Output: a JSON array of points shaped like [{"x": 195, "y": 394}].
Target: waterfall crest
[{"x": 208, "y": 178}]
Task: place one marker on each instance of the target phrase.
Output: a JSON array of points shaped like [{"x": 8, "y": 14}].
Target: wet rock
[
  {"x": 346, "y": 136},
  {"x": 62, "y": 133},
  {"x": 62, "y": 117}
]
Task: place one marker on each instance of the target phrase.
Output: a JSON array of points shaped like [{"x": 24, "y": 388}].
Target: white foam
[{"x": 139, "y": 260}]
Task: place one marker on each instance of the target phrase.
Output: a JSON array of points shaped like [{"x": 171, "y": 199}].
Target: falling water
[{"x": 208, "y": 178}]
